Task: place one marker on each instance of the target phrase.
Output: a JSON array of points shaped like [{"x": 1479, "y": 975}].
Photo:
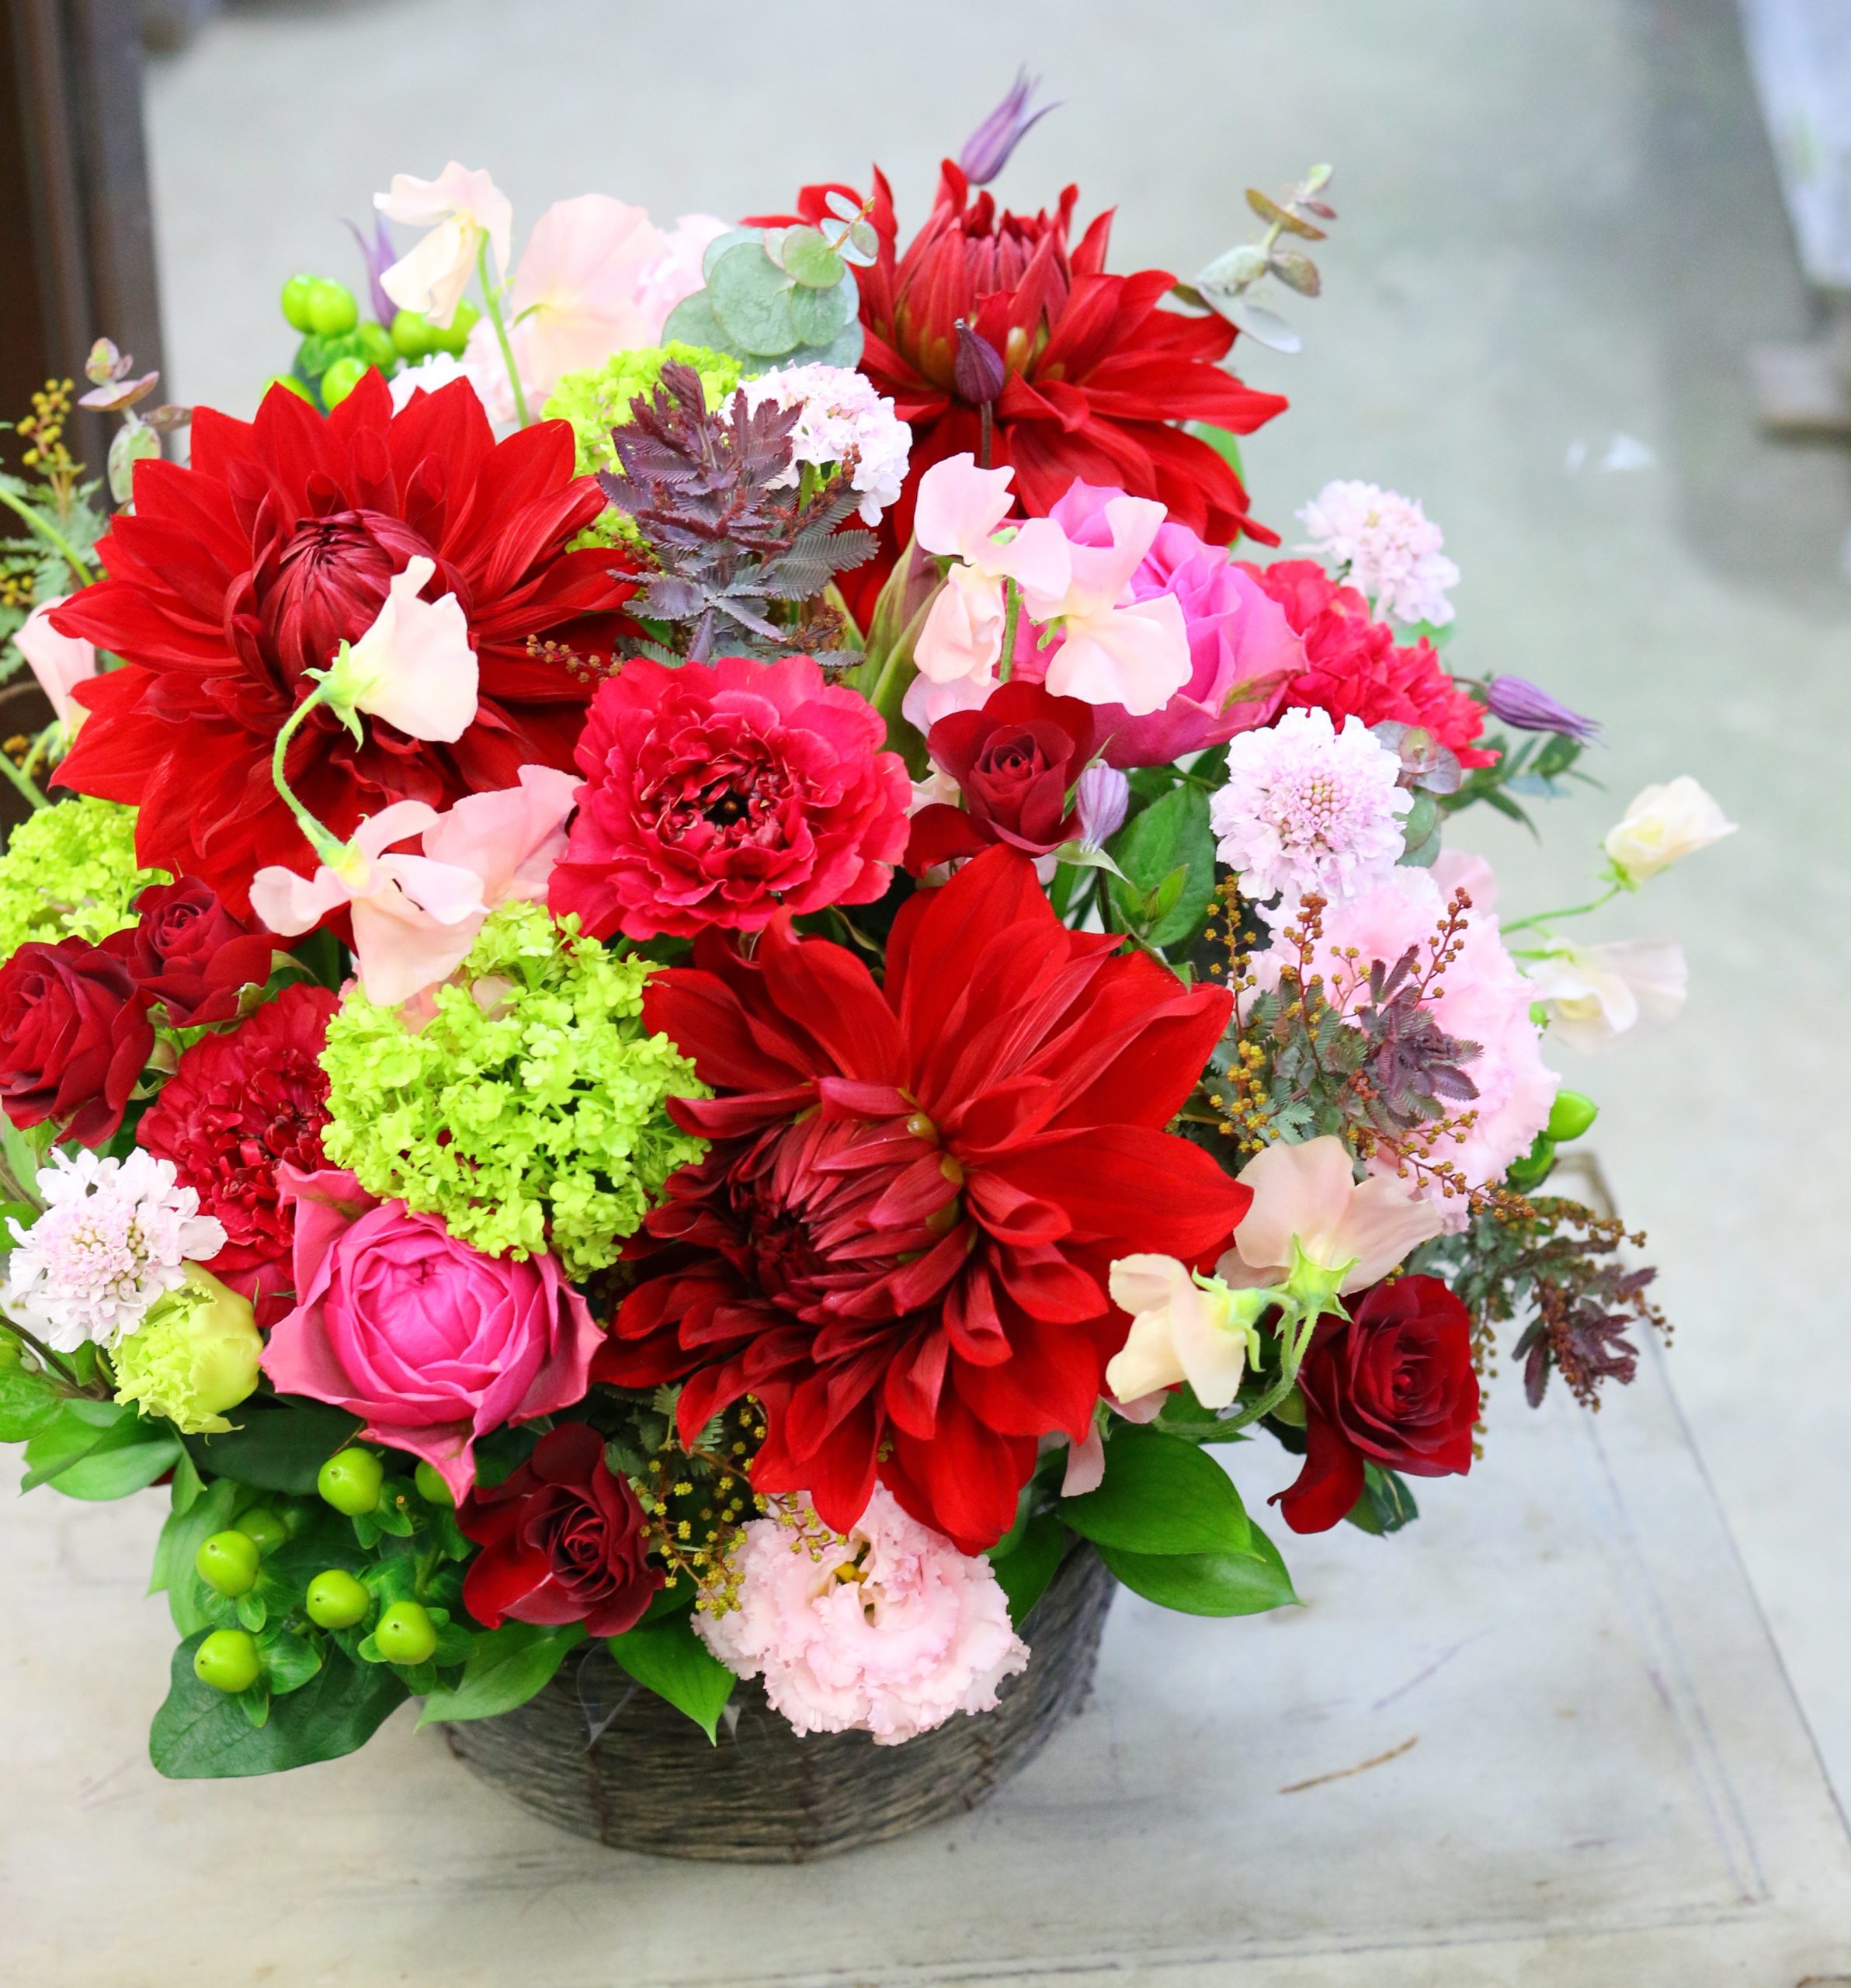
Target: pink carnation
[
  {"x": 1482, "y": 997},
  {"x": 889, "y": 1631},
  {"x": 430, "y": 1342}
]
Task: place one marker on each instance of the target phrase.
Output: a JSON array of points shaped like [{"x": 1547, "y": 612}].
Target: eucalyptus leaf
[
  {"x": 805, "y": 255},
  {"x": 819, "y": 314},
  {"x": 720, "y": 244},
  {"x": 1160, "y": 1494},
  {"x": 693, "y": 322},
  {"x": 668, "y": 1658},
  {"x": 505, "y": 1668},
  {"x": 751, "y": 296}
]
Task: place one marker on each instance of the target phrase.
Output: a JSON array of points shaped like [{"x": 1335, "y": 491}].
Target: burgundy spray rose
[
  {"x": 73, "y": 1035},
  {"x": 1394, "y": 1382},
  {"x": 562, "y": 1541},
  {"x": 189, "y": 953}
]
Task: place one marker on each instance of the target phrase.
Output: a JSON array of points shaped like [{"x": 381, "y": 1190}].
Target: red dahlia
[
  {"x": 1095, "y": 371},
  {"x": 899, "y": 1239},
  {"x": 234, "y": 577},
  {"x": 238, "y": 1107},
  {"x": 1356, "y": 670}
]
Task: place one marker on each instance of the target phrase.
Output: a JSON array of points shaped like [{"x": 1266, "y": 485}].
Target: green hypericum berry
[
  {"x": 288, "y": 380},
  {"x": 1570, "y": 1115},
  {"x": 263, "y": 1527},
  {"x": 332, "y": 309},
  {"x": 1535, "y": 1166},
  {"x": 229, "y": 1562},
  {"x": 336, "y": 1601},
  {"x": 405, "y": 1633},
  {"x": 350, "y": 1480},
  {"x": 412, "y": 334},
  {"x": 226, "y": 1660},
  {"x": 431, "y": 1486},
  {"x": 376, "y": 347},
  {"x": 296, "y": 294},
  {"x": 340, "y": 380},
  {"x": 454, "y": 337}
]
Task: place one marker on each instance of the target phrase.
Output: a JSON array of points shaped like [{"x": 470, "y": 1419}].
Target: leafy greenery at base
[{"x": 667, "y": 1657}]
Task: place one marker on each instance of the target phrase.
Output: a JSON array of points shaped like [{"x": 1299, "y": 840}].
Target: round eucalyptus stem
[
  {"x": 493, "y": 301},
  {"x": 51, "y": 535}
]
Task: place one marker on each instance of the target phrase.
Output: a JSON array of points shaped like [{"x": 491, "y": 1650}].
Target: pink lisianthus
[
  {"x": 888, "y": 1631},
  {"x": 431, "y": 1342},
  {"x": 1482, "y": 997},
  {"x": 1242, "y": 651}
]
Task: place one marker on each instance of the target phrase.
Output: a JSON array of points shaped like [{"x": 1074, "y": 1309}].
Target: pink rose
[{"x": 431, "y": 1342}]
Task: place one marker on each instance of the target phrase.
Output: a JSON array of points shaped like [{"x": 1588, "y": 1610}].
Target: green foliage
[
  {"x": 1166, "y": 852},
  {"x": 1386, "y": 1505},
  {"x": 539, "y": 1119},
  {"x": 97, "y": 1449},
  {"x": 280, "y": 1445},
  {"x": 782, "y": 295},
  {"x": 69, "y": 870},
  {"x": 1538, "y": 767},
  {"x": 505, "y": 1668},
  {"x": 1248, "y": 1583},
  {"x": 29, "y": 1401},
  {"x": 1160, "y": 1494},
  {"x": 667, "y": 1657},
  {"x": 1024, "y": 1570}
]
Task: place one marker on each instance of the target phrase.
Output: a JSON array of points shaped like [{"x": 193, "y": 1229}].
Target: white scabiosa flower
[
  {"x": 844, "y": 420},
  {"x": 1393, "y": 551}
]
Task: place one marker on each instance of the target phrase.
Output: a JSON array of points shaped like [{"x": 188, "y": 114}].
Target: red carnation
[
  {"x": 239, "y": 1106},
  {"x": 1016, "y": 761},
  {"x": 1095, "y": 372},
  {"x": 232, "y": 578},
  {"x": 1357, "y": 670},
  {"x": 899, "y": 1239},
  {"x": 713, "y": 795},
  {"x": 1394, "y": 1382},
  {"x": 189, "y": 953},
  {"x": 75, "y": 1036},
  {"x": 562, "y": 1540}
]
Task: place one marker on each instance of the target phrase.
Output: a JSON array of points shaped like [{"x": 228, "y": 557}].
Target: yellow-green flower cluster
[
  {"x": 71, "y": 869},
  {"x": 530, "y": 1112}
]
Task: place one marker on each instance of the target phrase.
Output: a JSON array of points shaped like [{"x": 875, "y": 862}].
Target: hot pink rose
[
  {"x": 430, "y": 1341},
  {"x": 1243, "y": 651}
]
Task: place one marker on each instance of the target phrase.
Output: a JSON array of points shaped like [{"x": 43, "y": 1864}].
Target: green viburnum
[
  {"x": 68, "y": 870},
  {"x": 193, "y": 1356},
  {"x": 531, "y": 1113}
]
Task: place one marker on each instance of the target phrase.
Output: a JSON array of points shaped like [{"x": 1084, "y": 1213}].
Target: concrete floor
[{"x": 1559, "y": 225}]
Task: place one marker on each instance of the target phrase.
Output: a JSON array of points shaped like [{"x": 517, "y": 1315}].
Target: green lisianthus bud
[{"x": 193, "y": 1356}]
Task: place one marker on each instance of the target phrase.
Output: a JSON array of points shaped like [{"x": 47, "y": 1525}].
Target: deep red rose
[
  {"x": 715, "y": 795},
  {"x": 1354, "y": 668},
  {"x": 75, "y": 1036},
  {"x": 232, "y": 578},
  {"x": 899, "y": 1239},
  {"x": 1016, "y": 761},
  {"x": 239, "y": 1106},
  {"x": 562, "y": 1541},
  {"x": 189, "y": 953},
  {"x": 1396, "y": 1383},
  {"x": 1095, "y": 372}
]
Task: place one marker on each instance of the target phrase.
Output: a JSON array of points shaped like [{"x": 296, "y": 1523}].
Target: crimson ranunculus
[
  {"x": 1394, "y": 1382},
  {"x": 189, "y": 953},
  {"x": 900, "y": 1238},
  {"x": 562, "y": 1541},
  {"x": 74, "y": 1035},
  {"x": 716, "y": 795},
  {"x": 238, "y": 1107},
  {"x": 1015, "y": 760},
  {"x": 1095, "y": 372},
  {"x": 232, "y": 578},
  {"x": 1355, "y": 668}
]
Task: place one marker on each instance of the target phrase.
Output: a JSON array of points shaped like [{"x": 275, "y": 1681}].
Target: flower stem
[
  {"x": 1294, "y": 1341},
  {"x": 327, "y": 845},
  {"x": 1012, "y": 613},
  {"x": 23, "y": 781},
  {"x": 50, "y": 533},
  {"x": 44, "y": 1355},
  {"x": 1540, "y": 921},
  {"x": 494, "y": 303}
]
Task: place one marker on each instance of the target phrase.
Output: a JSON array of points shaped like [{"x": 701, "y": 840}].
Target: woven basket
[{"x": 602, "y": 1758}]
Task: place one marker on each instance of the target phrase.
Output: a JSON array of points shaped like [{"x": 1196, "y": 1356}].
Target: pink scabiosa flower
[
  {"x": 1309, "y": 808},
  {"x": 1386, "y": 547},
  {"x": 887, "y": 1630},
  {"x": 841, "y": 419}
]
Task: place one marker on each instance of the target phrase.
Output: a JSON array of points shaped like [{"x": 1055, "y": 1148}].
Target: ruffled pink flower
[
  {"x": 1482, "y": 997},
  {"x": 889, "y": 1631},
  {"x": 431, "y": 1342}
]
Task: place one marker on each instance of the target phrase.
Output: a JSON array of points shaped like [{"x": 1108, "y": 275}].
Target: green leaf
[
  {"x": 1025, "y": 1570},
  {"x": 1246, "y": 1583},
  {"x": 186, "y": 1530},
  {"x": 1386, "y": 1505},
  {"x": 801, "y": 252},
  {"x": 280, "y": 1444},
  {"x": 199, "y": 1734},
  {"x": 28, "y": 1403},
  {"x": 251, "y": 1612},
  {"x": 1183, "y": 1414},
  {"x": 504, "y": 1668},
  {"x": 289, "y": 1660},
  {"x": 819, "y": 314},
  {"x": 1172, "y": 834},
  {"x": 751, "y": 296},
  {"x": 1226, "y": 446},
  {"x": 693, "y": 322},
  {"x": 97, "y": 1450},
  {"x": 1160, "y": 1494},
  {"x": 668, "y": 1659},
  {"x": 188, "y": 1485}
]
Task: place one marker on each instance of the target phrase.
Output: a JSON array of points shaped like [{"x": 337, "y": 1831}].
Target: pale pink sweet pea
[
  {"x": 430, "y": 1342},
  {"x": 677, "y": 272},
  {"x": 458, "y": 208},
  {"x": 577, "y": 289},
  {"x": 1308, "y": 1195},
  {"x": 1597, "y": 994},
  {"x": 60, "y": 662},
  {"x": 1115, "y": 649},
  {"x": 414, "y": 667},
  {"x": 1183, "y": 1328}
]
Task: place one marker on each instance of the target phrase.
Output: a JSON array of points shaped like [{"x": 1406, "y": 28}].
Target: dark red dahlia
[
  {"x": 1356, "y": 670},
  {"x": 1095, "y": 371},
  {"x": 899, "y": 1240},
  {"x": 239, "y": 1106},
  {"x": 234, "y": 577}
]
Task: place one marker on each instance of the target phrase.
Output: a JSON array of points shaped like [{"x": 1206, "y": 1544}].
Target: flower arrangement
[{"x": 712, "y": 959}]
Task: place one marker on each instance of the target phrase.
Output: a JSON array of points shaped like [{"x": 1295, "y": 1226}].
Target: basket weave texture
[{"x": 648, "y": 1781}]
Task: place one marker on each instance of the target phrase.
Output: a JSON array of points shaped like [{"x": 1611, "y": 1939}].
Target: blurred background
[{"x": 1565, "y": 305}]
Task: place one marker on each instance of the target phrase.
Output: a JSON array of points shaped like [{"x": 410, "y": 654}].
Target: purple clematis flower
[
  {"x": 986, "y": 150},
  {"x": 1518, "y": 702}
]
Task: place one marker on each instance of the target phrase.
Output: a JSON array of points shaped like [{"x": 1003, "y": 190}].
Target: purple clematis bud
[
  {"x": 1518, "y": 702},
  {"x": 977, "y": 368},
  {"x": 1101, "y": 793},
  {"x": 380, "y": 256},
  {"x": 986, "y": 150}
]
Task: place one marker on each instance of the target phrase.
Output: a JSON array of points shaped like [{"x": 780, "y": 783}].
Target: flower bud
[
  {"x": 1515, "y": 701},
  {"x": 986, "y": 150},
  {"x": 1102, "y": 794},
  {"x": 193, "y": 1356},
  {"x": 1663, "y": 824},
  {"x": 976, "y": 371}
]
